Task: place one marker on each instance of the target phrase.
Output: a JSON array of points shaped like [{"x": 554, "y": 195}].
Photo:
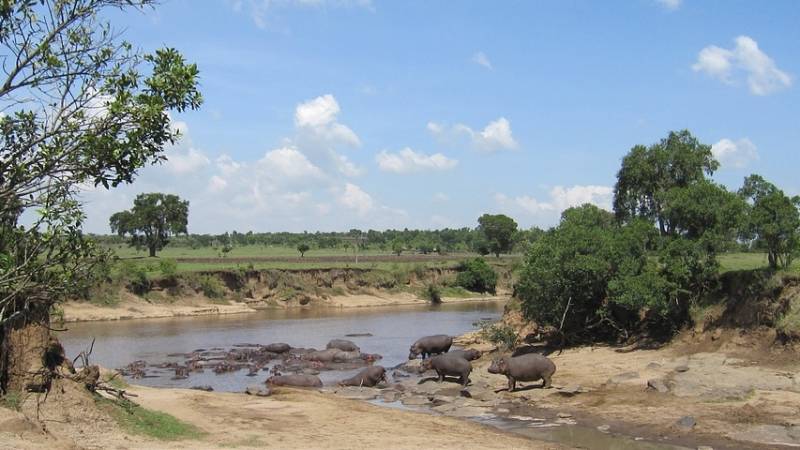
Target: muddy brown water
[{"x": 393, "y": 330}]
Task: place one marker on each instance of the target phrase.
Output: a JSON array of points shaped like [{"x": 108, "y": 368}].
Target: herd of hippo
[{"x": 300, "y": 367}]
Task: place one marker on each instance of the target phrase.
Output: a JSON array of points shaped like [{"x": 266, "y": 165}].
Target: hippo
[
  {"x": 529, "y": 367},
  {"x": 296, "y": 380},
  {"x": 449, "y": 365},
  {"x": 344, "y": 345},
  {"x": 430, "y": 345},
  {"x": 469, "y": 354},
  {"x": 368, "y": 377},
  {"x": 278, "y": 347}
]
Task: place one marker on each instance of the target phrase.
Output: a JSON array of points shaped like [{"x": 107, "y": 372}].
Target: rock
[
  {"x": 415, "y": 400},
  {"x": 686, "y": 423},
  {"x": 657, "y": 384},
  {"x": 203, "y": 388},
  {"x": 716, "y": 334},
  {"x": 705, "y": 447},
  {"x": 258, "y": 391},
  {"x": 604, "y": 428},
  {"x": 470, "y": 411},
  {"x": 502, "y": 410},
  {"x": 390, "y": 396},
  {"x": 623, "y": 377},
  {"x": 465, "y": 393},
  {"x": 563, "y": 415},
  {"x": 566, "y": 421},
  {"x": 682, "y": 368},
  {"x": 358, "y": 335},
  {"x": 653, "y": 366},
  {"x": 571, "y": 390}
]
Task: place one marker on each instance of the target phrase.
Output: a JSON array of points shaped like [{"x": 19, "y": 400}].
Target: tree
[
  {"x": 82, "y": 109},
  {"x": 397, "y": 247},
  {"x": 477, "y": 275},
  {"x": 648, "y": 173},
  {"x": 772, "y": 218},
  {"x": 303, "y": 248},
  {"x": 153, "y": 219},
  {"x": 499, "y": 232}
]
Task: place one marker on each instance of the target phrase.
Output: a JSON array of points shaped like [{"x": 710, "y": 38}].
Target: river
[{"x": 393, "y": 330}]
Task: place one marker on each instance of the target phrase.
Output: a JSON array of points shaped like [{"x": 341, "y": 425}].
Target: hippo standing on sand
[
  {"x": 449, "y": 365},
  {"x": 430, "y": 345},
  {"x": 368, "y": 377},
  {"x": 529, "y": 367},
  {"x": 469, "y": 354},
  {"x": 296, "y": 380}
]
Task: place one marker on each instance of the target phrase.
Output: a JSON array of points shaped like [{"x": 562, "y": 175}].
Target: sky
[{"x": 327, "y": 115}]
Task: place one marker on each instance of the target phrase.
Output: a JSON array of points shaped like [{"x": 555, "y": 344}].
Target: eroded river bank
[{"x": 675, "y": 397}]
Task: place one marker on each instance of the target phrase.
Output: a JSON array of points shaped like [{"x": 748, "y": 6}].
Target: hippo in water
[
  {"x": 368, "y": 377},
  {"x": 344, "y": 345},
  {"x": 529, "y": 367},
  {"x": 449, "y": 365},
  {"x": 469, "y": 354},
  {"x": 430, "y": 345},
  {"x": 296, "y": 380},
  {"x": 278, "y": 347}
]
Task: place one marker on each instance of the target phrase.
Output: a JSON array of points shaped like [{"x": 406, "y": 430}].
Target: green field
[
  {"x": 247, "y": 251},
  {"x": 749, "y": 261}
]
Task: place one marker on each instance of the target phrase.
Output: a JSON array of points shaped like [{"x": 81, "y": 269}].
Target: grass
[
  {"x": 138, "y": 420},
  {"x": 245, "y": 251},
  {"x": 11, "y": 400},
  {"x": 749, "y": 261},
  {"x": 790, "y": 322}
]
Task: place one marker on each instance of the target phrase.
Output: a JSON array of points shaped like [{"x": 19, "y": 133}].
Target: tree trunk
[
  {"x": 152, "y": 251},
  {"x": 24, "y": 342}
]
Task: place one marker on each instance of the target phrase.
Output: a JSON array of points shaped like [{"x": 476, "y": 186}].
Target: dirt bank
[
  {"x": 134, "y": 307},
  {"x": 287, "y": 419},
  {"x": 729, "y": 390}
]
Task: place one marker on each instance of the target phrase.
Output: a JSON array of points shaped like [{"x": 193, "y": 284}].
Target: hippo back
[{"x": 530, "y": 367}]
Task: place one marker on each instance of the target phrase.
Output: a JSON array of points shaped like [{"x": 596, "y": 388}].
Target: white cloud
[
  {"x": 407, "y": 161},
  {"x": 185, "y": 161},
  {"x": 671, "y": 5},
  {"x": 348, "y": 168},
  {"x": 260, "y": 9},
  {"x": 737, "y": 154},
  {"x": 217, "y": 183},
  {"x": 762, "y": 74},
  {"x": 559, "y": 199},
  {"x": 288, "y": 162},
  {"x": 319, "y": 117},
  {"x": 481, "y": 59},
  {"x": 495, "y": 136},
  {"x": 227, "y": 165},
  {"x": 356, "y": 199},
  {"x": 441, "y": 197}
]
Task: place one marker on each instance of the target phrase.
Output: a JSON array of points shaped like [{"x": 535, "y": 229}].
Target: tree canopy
[
  {"x": 772, "y": 218},
  {"x": 82, "y": 109},
  {"x": 153, "y": 219},
  {"x": 499, "y": 232}
]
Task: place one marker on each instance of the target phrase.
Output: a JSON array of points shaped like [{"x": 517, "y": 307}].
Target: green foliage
[
  {"x": 168, "y": 268},
  {"x": 498, "y": 230},
  {"x": 433, "y": 293},
  {"x": 152, "y": 220},
  {"x": 477, "y": 275},
  {"x": 596, "y": 276},
  {"x": 209, "y": 285},
  {"x": 649, "y": 173},
  {"x": 303, "y": 248},
  {"x": 11, "y": 400},
  {"x": 397, "y": 247},
  {"x": 155, "y": 424},
  {"x": 773, "y": 219},
  {"x": 500, "y": 334}
]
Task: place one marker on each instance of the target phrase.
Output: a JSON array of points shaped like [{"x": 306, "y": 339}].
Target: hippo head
[
  {"x": 413, "y": 352},
  {"x": 499, "y": 365}
]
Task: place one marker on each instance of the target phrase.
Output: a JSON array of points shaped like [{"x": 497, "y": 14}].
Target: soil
[{"x": 134, "y": 307}]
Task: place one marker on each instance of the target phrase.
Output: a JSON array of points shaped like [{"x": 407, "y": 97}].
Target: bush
[
  {"x": 168, "y": 268},
  {"x": 136, "y": 277},
  {"x": 500, "y": 334},
  {"x": 209, "y": 285},
  {"x": 477, "y": 275},
  {"x": 433, "y": 293}
]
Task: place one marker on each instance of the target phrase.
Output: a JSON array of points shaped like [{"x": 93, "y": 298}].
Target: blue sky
[{"x": 336, "y": 114}]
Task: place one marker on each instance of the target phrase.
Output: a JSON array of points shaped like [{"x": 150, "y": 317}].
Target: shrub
[
  {"x": 168, "y": 268},
  {"x": 477, "y": 275},
  {"x": 433, "y": 293},
  {"x": 209, "y": 285},
  {"x": 500, "y": 334},
  {"x": 11, "y": 400}
]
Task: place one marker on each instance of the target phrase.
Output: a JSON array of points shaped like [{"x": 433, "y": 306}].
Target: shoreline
[{"x": 136, "y": 308}]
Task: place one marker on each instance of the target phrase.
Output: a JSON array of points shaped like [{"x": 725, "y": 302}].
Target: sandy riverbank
[{"x": 133, "y": 307}]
